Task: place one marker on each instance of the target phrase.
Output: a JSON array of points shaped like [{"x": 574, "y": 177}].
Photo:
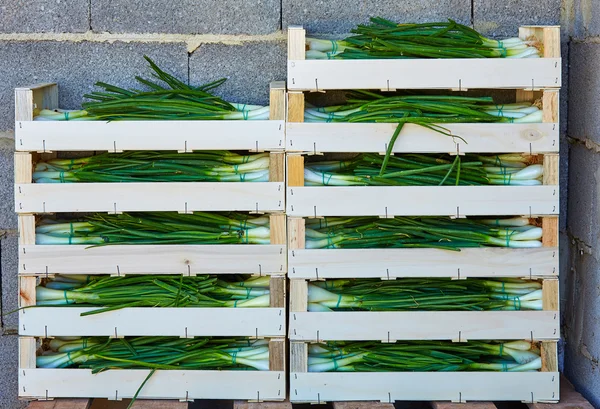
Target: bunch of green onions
[
  {"x": 424, "y": 232},
  {"x": 424, "y": 170},
  {"x": 383, "y": 39},
  {"x": 424, "y": 356},
  {"x": 424, "y": 294},
  {"x": 169, "y": 98},
  {"x": 148, "y": 166},
  {"x": 429, "y": 111},
  {"x": 157, "y": 353},
  {"x": 156, "y": 228},
  {"x": 113, "y": 293}
]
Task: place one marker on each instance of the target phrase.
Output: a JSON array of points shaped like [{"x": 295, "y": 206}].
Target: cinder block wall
[{"x": 78, "y": 42}]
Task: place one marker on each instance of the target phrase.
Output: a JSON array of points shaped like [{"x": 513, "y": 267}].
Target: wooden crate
[
  {"x": 460, "y": 74},
  {"x": 388, "y": 326},
  {"x": 48, "y": 137},
  {"x": 42, "y": 383},
  {"x": 319, "y": 387}
]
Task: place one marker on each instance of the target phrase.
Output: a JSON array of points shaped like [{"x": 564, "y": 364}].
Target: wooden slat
[
  {"x": 278, "y": 229},
  {"x": 27, "y": 347},
  {"x": 550, "y": 295},
  {"x": 31, "y": 99},
  {"x": 550, "y": 105},
  {"x": 296, "y": 233},
  {"x": 277, "y": 167},
  {"x": 389, "y": 201},
  {"x": 182, "y": 197},
  {"x": 152, "y": 259},
  {"x": 394, "y": 263},
  {"x": 159, "y": 404},
  {"x": 548, "y": 37},
  {"x": 27, "y": 296},
  {"x": 165, "y": 384},
  {"x": 550, "y": 164},
  {"x": 61, "y": 404},
  {"x": 298, "y": 297},
  {"x": 388, "y": 326},
  {"x": 277, "y": 292},
  {"x": 277, "y": 100},
  {"x": 549, "y": 354},
  {"x": 296, "y": 43},
  {"x": 423, "y": 386},
  {"x": 374, "y": 137},
  {"x": 362, "y": 405},
  {"x": 238, "y": 404},
  {"x": 295, "y": 171},
  {"x": 295, "y": 108},
  {"x": 298, "y": 360},
  {"x": 472, "y": 405},
  {"x": 390, "y": 74},
  {"x": 551, "y": 231},
  {"x": 139, "y": 322},
  {"x": 117, "y": 136},
  {"x": 277, "y": 355},
  {"x": 569, "y": 398}
]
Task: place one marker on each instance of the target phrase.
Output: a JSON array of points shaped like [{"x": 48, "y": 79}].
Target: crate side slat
[
  {"x": 277, "y": 100},
  {"x": 117, "y": 136},
  {"x": 278, "y": 354},
  {"x": 72, "y": 404},
  {"x": 393, "y": 263},
  {"x": 389, "y": 326},
  {"x": 35, "y": 97},
  {"x": 374, "y": 137},
  {"x": 172, "y": 322},
  {"x": 460, "y": 74},
  {"x": 389, "y": 201},
  {"x": 159, "y": 196},
  {"x": 420, "y": 386},
  {"x": 168, "y": 384},
  {"x": 152, "y": 259}
]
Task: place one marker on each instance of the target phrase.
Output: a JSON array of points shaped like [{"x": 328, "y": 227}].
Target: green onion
[
  {"x": 114, "y": 293},
  {"x": 384, "y": 39},
  {"x": 423, "y": 170},
  {"x": 167, "y": 99},
  {"x": 147, "y": 166},
  {"x": 159, "y": 353},
  {"x": 156, "y": 228},
  {"x": 424, "y": 294},
  {"x": 424, "y": 356},
  {"x": 429, "y": 111},
  {"x": 418, "y": 232}
]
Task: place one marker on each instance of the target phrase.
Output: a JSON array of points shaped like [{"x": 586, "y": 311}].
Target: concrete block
[
  {"x": 583, "y": 16},
  {"x": 502, "y": 19},
  {"x": 584, "y": 98},
  {"x": 42, "y": 16},
  {"x": 8, "y": 217},
  {"x": 9, "y": 373},
  {"x": 77, "y": 66},
  {"x": 9, "y": 250},
  {"x": 323, "y": 17},
  {"x": 249, "y": 68},
  {"x": 186, "y": 16},
  {"x": 584, "y": 195}
]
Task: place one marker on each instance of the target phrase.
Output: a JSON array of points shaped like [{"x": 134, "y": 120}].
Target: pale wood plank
[
  {"x": 61, "y": 404},
  {"x": 277, "y": 354},
  {"x": 159, "y": 404},
  {"x": 551, "y": 169},
  {"x": 547, "y": 36},
  {"x": 551, "y": 231},
  {"x": 29, "y": 100},
  {"x": 569, "y": 398},
  {"x": 296, "y": 43},
  {"x": 295, "y": 112},
  {"x": 238, "y": 404},
  {"x": 295, "y": 170},
  {"x": 364, "y": 405},
  {"x": 298, "y": 360},
  {"x": 472, "y": 405},
  {"x": 277, "y": 100},
  {"x": 182, "y": 197},
  {"x": 277, "y": 167},
  {"x": 550, "y": 106},
  {"x": 550, "y": 295},
  {"x": 165, "y": 384},
  {"x": 417, "y": 386},
  {"x": 549, "y": 354},
  {"x": 278, "y": 229},
  {"x": 23, "y": 167},
  {"x": 23, "y": 104},
  {"x": 296, "y": 233},
  {"x": 298, "y": 297},
  {"x": 277, "y": 292},
  {"x": 27, "y": 296},
  {"x": 27, "y": 347}
]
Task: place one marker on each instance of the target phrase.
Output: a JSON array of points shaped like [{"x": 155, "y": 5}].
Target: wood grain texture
[
  {"x": 278, "y": 229},
  {"x": 551, "y": 169},
  {"x": 29, "y": 100},
  {"x": 27, "y": 347},
  {"x": 295, "y": 107},
  {"x": 298, "y": 358},
  {"x": 296, "y": 43},
  {"x": 63, "y": 404},
  {"x": 295, "y": 170},
  {"x": 296, "y": 233},
  {"x": 366, "y": 405},
  {"x": 549, "y": 354},
  {"x": 550, "y": 295},
  {"x": 277, "y": 100},
  {"x": 277, "y": 354},
  {"x": 298, "y": 297},
  {"x": 569, "y": 398},
  {"x": 550, "y": 106},
  {"x": 550, "y": 229},
  {"x": 238, "y": 404},
  {"x": 158, "y": 404},
  {"x": 547, "y": 36},
  {"x": 471, "y": 405},
  {"x": 277, "y": 167},
  {"x": 277, "y": 291}
]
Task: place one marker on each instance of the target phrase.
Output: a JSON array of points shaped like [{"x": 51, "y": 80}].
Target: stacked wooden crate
[
  {"x": 39, "y": 140},
  {"x": 530, "y": 80}
]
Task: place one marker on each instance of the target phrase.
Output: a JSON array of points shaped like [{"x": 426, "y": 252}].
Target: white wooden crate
[{"x": 459, "y": 74}]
